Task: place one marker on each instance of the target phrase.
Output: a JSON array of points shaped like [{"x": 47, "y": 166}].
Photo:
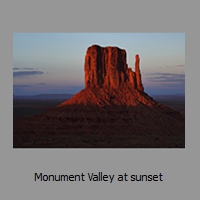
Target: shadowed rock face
[{"x": 106, "y": 67}]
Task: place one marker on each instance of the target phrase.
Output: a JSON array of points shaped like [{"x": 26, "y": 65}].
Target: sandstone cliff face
[{"x": 106, "y": 67}]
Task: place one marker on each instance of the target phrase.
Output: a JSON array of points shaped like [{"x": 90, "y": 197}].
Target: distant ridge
[{"x": 44, "y": 96}]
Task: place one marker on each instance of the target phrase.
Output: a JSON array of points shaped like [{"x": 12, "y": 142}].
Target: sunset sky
[{"x": 53, "y": 63}]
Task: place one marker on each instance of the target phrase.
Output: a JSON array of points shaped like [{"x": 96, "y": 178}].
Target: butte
[{"x": 113, "y": 111}]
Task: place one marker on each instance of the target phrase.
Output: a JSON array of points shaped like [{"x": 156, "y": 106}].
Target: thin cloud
[
  {"x": 26, "y": 68},
  {"x": 16, "y": 68},
  {"x": 166, "y": 77},
  {"x": 173, "y": 66},
  {"x": 27, "y": 73}
]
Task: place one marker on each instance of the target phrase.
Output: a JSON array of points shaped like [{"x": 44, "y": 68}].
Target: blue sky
[{"x": 48, "y": 63}]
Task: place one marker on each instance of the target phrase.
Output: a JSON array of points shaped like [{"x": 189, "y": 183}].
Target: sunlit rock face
[
  {"x": 138, "y": 74},
  {"x": 106, "y": 67}
]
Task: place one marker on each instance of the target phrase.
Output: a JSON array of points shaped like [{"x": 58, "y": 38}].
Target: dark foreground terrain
[
  {"x": 175, "y": 102},
  {"x": 97, "y": 132}
]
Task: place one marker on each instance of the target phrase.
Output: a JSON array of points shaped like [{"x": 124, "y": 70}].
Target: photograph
[{"x": 99, "y": 90}]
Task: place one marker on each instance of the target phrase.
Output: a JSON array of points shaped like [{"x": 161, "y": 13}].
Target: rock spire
[{"x": 138, "y": 75}]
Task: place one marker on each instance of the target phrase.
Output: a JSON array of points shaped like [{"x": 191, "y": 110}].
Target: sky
[{"x": 53, "y": 63}]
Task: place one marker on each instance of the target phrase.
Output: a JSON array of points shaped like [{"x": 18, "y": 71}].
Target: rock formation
[
  {"x": 112, "y": 111},
  {"x": 106, "y": 67},
  {"x": 138, "y": 75},
  {"x": 108, "y": 80}
]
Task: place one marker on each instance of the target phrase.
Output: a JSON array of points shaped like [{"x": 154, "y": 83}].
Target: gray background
[{"x": 179, "y": 166}]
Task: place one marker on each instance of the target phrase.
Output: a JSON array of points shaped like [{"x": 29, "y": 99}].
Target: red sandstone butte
[
  {"x": 106, "y": 67},
  {"x": 109, "y": 81}
]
